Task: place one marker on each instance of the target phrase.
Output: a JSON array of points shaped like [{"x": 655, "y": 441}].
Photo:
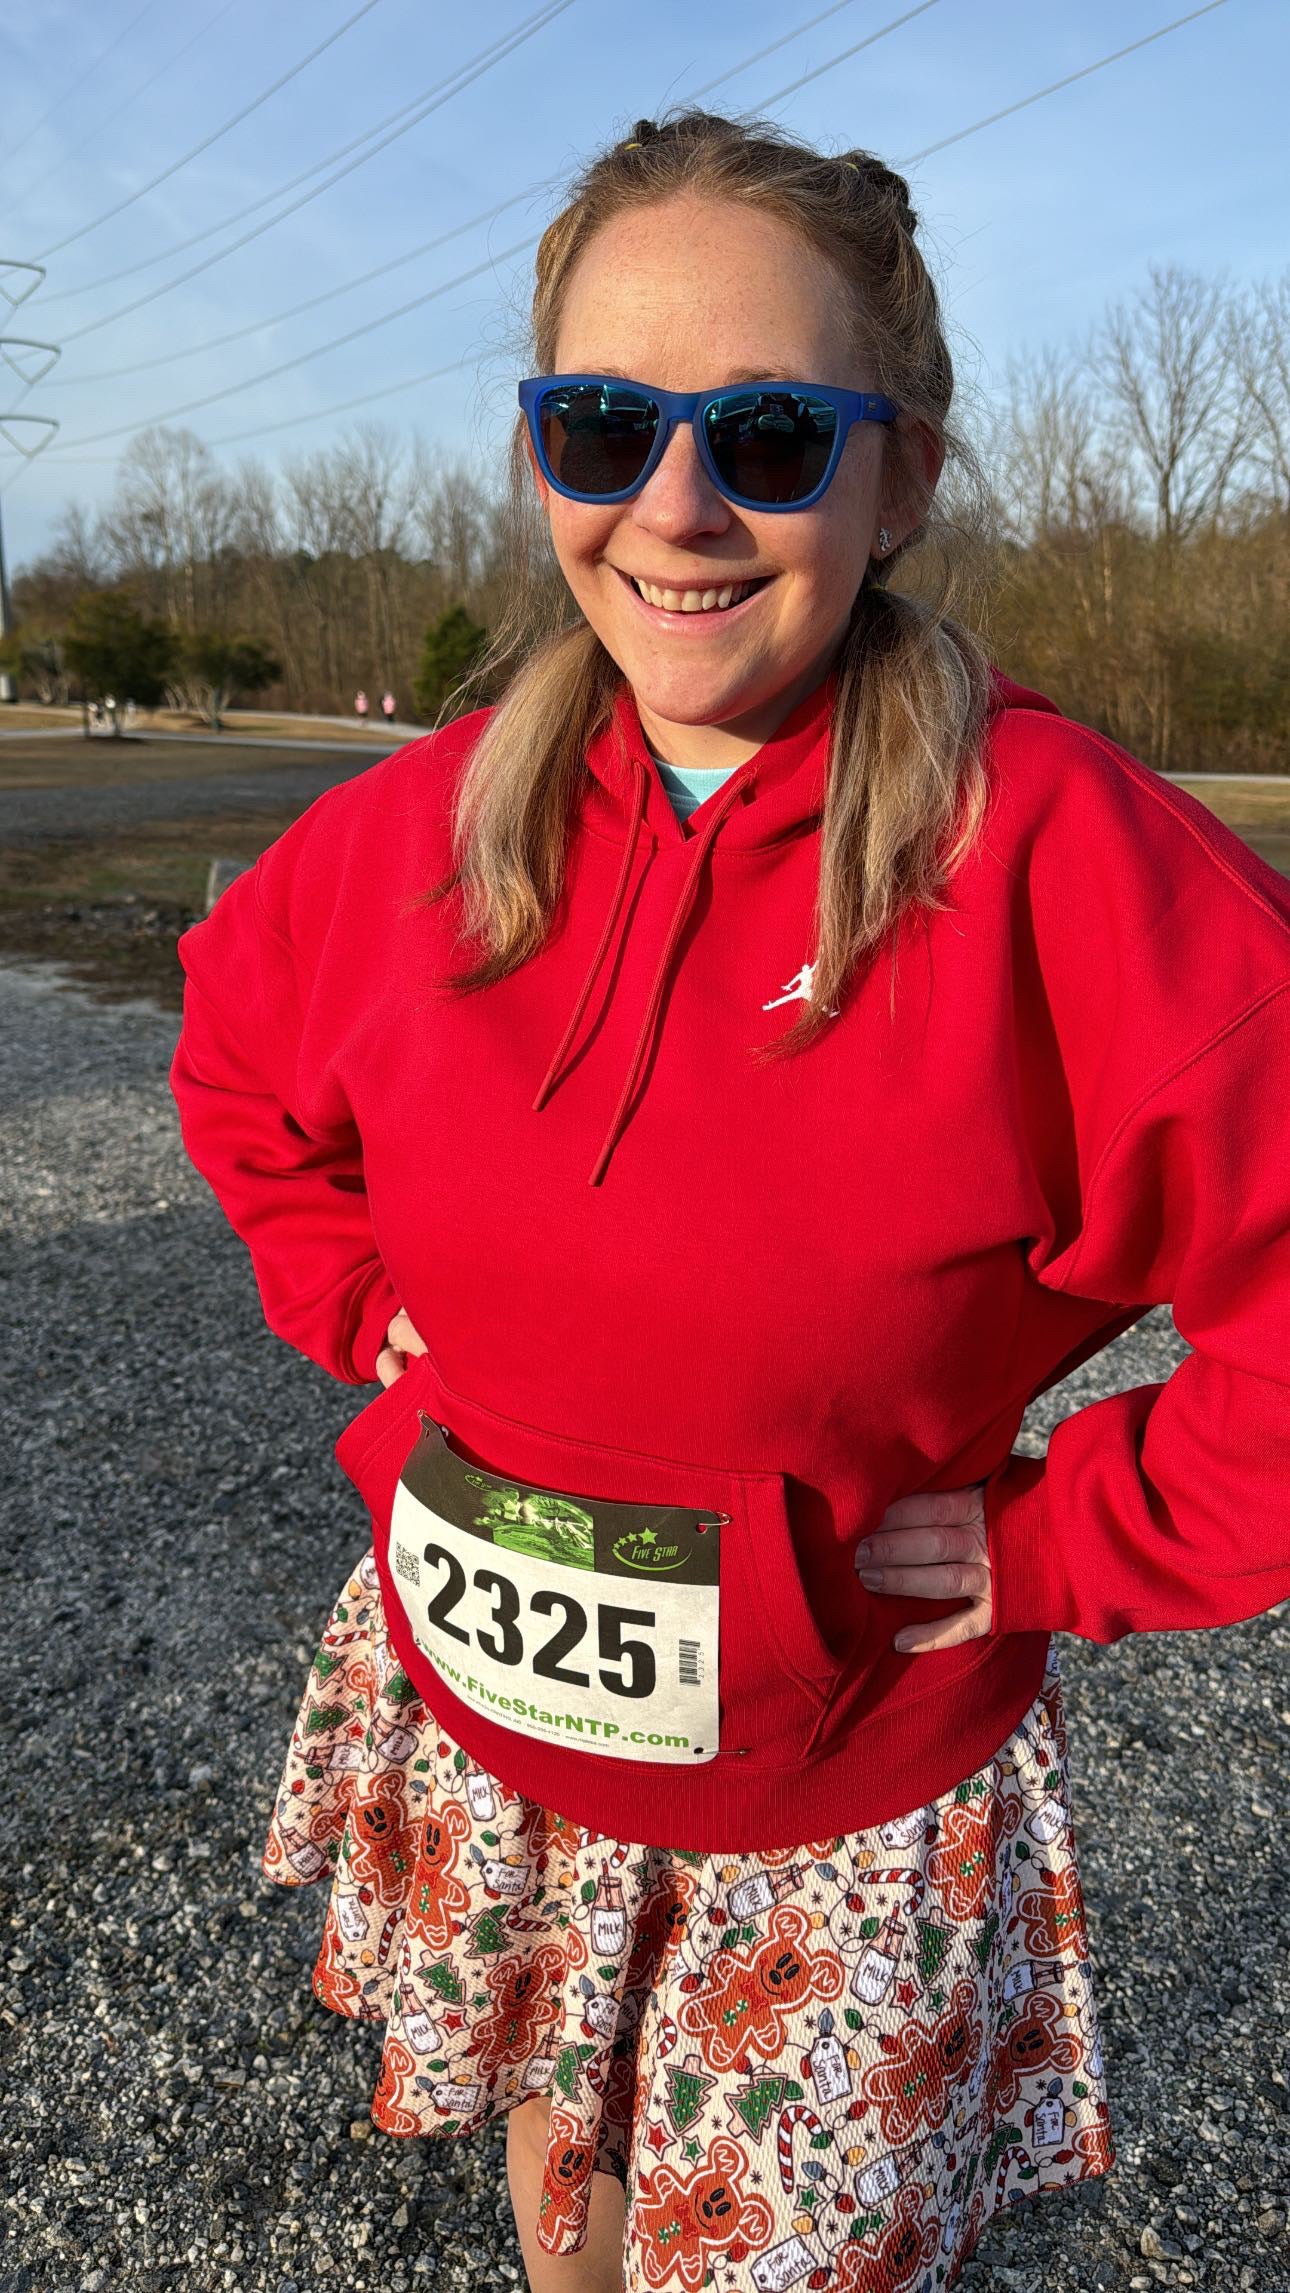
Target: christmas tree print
[
  {"x": 488, "y": 1932},
  {"x": 444, "y": 1983},
  {"x": 933, "y": 1947},
  {"x": 688, "y": 2087},
  {"x": 754, "y": 2105}
]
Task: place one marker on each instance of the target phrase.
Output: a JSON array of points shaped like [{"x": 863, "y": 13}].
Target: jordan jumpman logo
[{"x": 796, "y": 990}]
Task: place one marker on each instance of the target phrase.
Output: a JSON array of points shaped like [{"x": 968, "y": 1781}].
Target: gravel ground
[{"x": 176, "y": 2107}]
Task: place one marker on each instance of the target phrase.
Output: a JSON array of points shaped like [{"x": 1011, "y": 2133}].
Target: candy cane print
[
  {"x": 1014, "y": 2150},
  {"x": 388, "y": 1933},
  {"x": 900, "y": 1876},
  {"x": 621, "y": 1852},
  {"x": 667, "y": 2037},
  {"x": 796, "y": 2114}
]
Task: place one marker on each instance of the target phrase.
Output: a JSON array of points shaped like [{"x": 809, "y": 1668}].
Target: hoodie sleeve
[
  {"x": 1167, "y": 1507},
  {"x": 290, "y": 1184}
]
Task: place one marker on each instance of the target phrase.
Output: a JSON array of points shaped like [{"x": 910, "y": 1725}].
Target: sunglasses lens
[
  {"x": 770, "y": 446},
  {"x": 597, "y": 436}
]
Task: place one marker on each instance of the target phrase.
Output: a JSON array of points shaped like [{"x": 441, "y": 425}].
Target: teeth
[{"x": 694, "y": 600}]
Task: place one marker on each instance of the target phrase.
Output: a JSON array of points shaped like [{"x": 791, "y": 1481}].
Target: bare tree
[
  {"x": 381, "y": 490},
  {"x": 1174, "y": 398},
  {"x": 172, "y": 521},
  {"x": 1259, "y": 342}
]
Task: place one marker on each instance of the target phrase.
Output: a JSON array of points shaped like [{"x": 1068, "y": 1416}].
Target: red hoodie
[{"x": 694, "y": 1323}]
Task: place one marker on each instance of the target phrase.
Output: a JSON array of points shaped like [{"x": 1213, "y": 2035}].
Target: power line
[
  {"x": 1071, "y": 77},
  {"x": 499, "y": 47},
  {"x": 296, "y": 310},
  {"x": 79, "y": 80},
  {"x": 133, "y": 197},
  {"x": 762, "y": 53},
  {"x": 388, "y": 317},
  {"x": 271, "y": 373},
  {"x": 346, "y": 406},
  {"x": 24, "y": 197},
  {"x": 1100, "y": 65},
  {"x": 381, "y": 270},
  {"x": 462, "y": 79}
]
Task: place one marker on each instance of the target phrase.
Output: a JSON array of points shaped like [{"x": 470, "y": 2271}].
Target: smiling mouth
[{"x": 718, "y": 598}]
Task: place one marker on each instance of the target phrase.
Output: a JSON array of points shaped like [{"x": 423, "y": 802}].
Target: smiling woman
[{"x": 686, "y": 1754}]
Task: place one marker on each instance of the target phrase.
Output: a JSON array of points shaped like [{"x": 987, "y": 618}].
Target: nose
[{"x": 679, "y": 497}]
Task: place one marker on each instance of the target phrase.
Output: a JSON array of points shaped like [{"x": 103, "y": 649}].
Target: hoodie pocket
[
  {"x": 376, "y": 1419},
  {"x": 775, "y": 1671}
]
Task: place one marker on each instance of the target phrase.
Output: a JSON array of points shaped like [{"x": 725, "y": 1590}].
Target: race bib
[{"x": 578, "y": 1619}]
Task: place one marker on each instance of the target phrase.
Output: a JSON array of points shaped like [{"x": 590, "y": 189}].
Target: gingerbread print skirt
[{"x": 826, "y": 2066}]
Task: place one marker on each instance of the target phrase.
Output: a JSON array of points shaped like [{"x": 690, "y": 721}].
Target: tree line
[{"x": 1136, "y": 562}]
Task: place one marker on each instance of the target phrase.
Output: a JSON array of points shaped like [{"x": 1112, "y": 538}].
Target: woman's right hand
[{"x": 401, "y": 1339}]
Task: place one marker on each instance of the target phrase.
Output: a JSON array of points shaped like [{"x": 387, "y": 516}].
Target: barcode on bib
[{"x": 691, "y": 1665}]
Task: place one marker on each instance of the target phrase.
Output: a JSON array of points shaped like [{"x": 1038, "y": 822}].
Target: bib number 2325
[{"x": 590, "y": 1623}]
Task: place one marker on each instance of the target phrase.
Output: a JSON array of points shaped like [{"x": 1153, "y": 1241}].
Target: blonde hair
[{"x": 913, "y": 681}]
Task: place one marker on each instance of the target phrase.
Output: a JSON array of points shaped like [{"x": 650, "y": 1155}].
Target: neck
[{"x": 723, "y": 746}]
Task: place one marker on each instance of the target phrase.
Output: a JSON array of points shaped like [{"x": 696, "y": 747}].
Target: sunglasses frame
[{"x": 850, "y": 406}]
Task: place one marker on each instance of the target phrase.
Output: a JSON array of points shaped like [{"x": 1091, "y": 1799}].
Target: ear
[{"x": 916, "y": 475}]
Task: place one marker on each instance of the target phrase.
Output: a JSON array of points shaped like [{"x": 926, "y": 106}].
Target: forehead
[{"x": 706, "y": 292}]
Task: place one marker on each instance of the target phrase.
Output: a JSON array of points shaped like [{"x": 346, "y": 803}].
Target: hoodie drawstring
[
  {"x": 702, "y": 844},
  {"x": 548, "y": 1082}
]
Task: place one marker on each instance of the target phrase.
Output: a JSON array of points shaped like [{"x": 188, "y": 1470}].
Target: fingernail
[
  {"x": 872, "y": 1577},
  {"x": 863, "y": 1551},
  {"x": 904, "y": 1642}
]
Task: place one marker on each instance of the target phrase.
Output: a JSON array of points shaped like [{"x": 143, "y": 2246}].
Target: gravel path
[{"x": 176, "y": 2108}]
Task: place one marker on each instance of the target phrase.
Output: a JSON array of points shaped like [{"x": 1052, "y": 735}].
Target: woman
[{"x": 687, "y": 1753}]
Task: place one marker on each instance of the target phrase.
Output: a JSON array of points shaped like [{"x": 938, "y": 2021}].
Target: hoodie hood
[{"x": 776, "y": 794}]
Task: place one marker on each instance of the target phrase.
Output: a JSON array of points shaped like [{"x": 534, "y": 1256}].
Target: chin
[{"x": 693, "y": 693}]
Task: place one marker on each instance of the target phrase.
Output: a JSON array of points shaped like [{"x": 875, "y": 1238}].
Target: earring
[{"x": 884, "y": 540}]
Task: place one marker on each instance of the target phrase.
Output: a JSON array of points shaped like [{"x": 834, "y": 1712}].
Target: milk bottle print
[
  {"x": 876, "y": 2181},
  {"x": 749, "y": 1896},
  {"x": 878, "y": 1962},
  {"x": 1027, "y": 1976},
  {"x": 828, "y": 2061},
  {"x": 306, "y": 1857},
  {"x": 424, "y": 2035},
  {"x": 608, "y": 1917},
  {"x": 479, "y": 1795},
  {"x": 1048, "y": 1822}
]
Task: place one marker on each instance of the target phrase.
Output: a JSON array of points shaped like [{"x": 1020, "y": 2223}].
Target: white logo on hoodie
[{"x": 797, "y": 990}]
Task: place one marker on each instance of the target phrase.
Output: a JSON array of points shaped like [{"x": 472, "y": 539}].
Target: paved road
[{"x": 176, "y": 2108}]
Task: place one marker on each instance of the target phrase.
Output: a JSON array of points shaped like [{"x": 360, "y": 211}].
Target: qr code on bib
[{"x": 406, "y": 1564}]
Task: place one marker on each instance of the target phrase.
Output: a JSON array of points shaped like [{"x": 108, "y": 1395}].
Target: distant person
[
  {"x": 387, "y": 707},
  {"x": 702, "y": 1805},
  {"x": 360, "y": 707}
]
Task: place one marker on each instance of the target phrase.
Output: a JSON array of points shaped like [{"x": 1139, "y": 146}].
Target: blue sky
[{"x": 1174, "y": 154}]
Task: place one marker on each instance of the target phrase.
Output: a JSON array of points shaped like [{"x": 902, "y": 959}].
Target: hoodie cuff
[
  {"x": 1027, "y": 1586},
  {"x": 374, "y": 1306}
]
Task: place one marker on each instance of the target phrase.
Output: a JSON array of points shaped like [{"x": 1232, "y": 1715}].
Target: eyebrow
[{"x": 739, "y": 374}]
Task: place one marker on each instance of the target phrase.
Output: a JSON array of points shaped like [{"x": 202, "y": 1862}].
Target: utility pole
[
  {"x": 30, "y": 362},
  {"x": 8, "y": 687}
]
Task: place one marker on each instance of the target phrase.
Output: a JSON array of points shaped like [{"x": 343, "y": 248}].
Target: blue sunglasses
[{"x": 765, "y": 445}]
